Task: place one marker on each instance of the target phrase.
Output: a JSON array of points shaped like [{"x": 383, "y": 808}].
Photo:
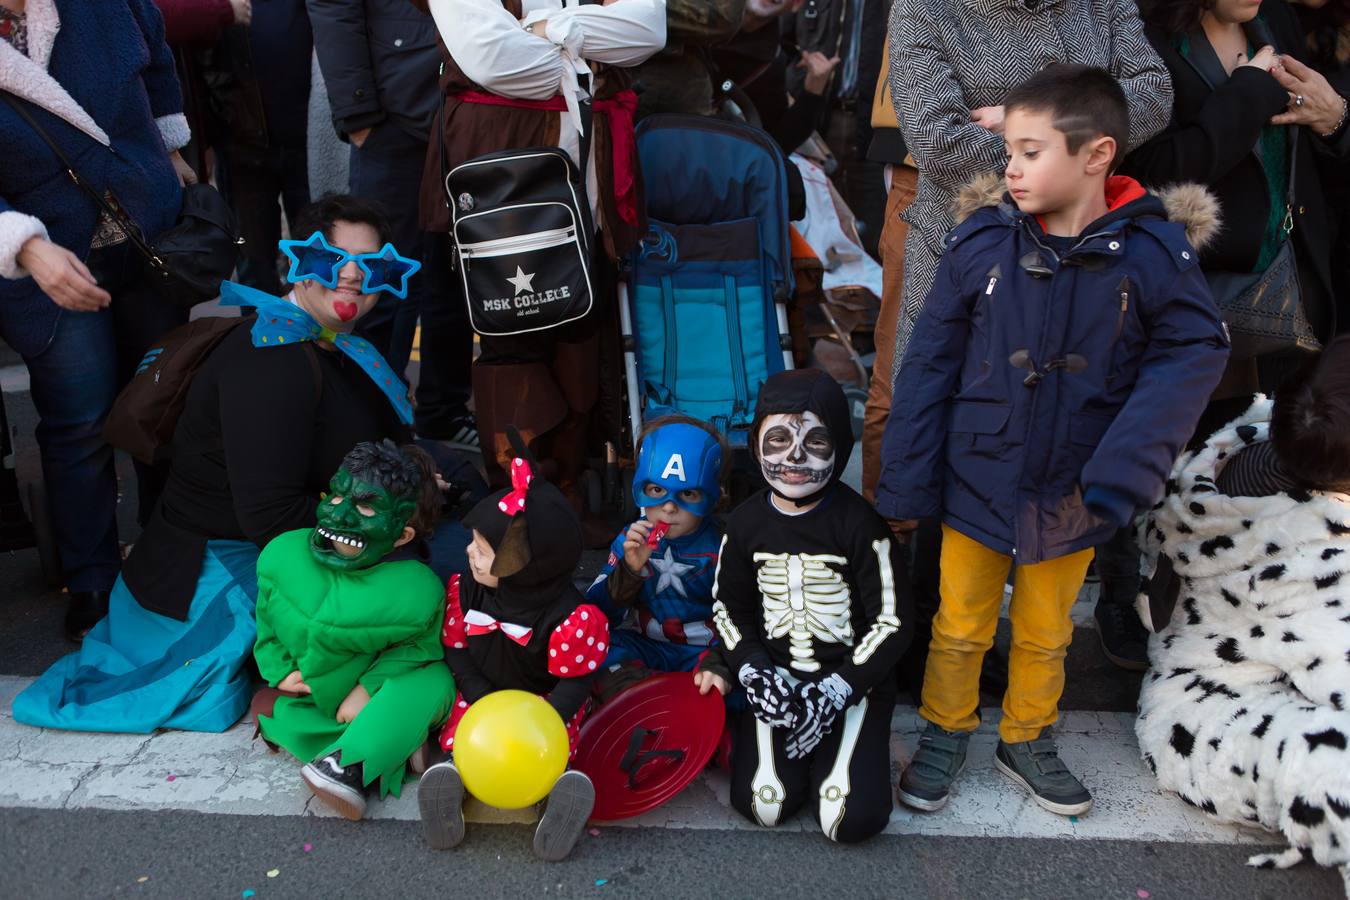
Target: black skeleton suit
[{"x": 814, "y": 610}]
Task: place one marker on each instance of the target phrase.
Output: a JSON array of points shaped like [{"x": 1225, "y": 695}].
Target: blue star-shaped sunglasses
[{"x": 317, "y": 260}]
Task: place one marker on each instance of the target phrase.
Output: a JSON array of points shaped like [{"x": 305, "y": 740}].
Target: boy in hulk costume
[{"x": 349, "y": 629}]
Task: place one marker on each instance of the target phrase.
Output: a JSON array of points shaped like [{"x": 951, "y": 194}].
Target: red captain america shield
[{"x": 648, "y": 743}]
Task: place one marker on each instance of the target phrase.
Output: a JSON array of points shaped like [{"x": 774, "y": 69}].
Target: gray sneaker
[
  {"x": 566, "y": 810},
  {"x": 927, "y": 781},
  {"x": 1036, "y": 766},
  {"x": 440, "y": 800}
]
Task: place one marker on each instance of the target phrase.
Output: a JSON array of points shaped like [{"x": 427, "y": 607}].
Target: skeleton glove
[
  {"x": 771, "y": 699},
  {"x": 821, "y": 703}
]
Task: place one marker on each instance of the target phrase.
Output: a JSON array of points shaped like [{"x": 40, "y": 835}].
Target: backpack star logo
[{"x": 522, "y": 282}]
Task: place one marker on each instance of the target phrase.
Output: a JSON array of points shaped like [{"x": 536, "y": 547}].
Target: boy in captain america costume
[{"x": 657, "y": 585}]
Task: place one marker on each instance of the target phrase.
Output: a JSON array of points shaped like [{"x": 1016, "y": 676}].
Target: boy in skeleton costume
[
  {"x": 813, "y": 609},
  {"x": 657, "y": 585},
  {"x": 1247, "y": 711}
]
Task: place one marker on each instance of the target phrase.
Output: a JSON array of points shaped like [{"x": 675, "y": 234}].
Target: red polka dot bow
[{"x": 521, "y": 476}]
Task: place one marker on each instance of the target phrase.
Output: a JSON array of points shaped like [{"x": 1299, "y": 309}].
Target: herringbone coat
[{"x": 949, "y": 57}]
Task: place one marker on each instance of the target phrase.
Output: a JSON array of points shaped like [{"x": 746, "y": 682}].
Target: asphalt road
[{"x": 55, "y": 854}]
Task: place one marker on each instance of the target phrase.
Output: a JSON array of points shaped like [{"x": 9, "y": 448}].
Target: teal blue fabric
[
  {"x": 706, "y": 327},
  {"x": 138, "y": 670}
]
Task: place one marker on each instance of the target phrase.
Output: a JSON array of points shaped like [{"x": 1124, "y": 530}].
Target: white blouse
[{"x": 495, "y": 50}]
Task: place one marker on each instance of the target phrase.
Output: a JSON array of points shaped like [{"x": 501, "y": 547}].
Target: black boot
[
  {"x": 85, "y": 611},
  {"x": 1123, "y": 637}
]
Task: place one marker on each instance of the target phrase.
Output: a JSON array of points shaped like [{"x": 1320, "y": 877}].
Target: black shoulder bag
[
  {"x": 1264, "y": 311},
  {"x": 191, "y": 259},
  {"x": 522, "y": 236}
]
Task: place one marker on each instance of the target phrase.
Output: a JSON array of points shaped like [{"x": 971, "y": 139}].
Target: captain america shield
[{"x": 648, "y": 743}]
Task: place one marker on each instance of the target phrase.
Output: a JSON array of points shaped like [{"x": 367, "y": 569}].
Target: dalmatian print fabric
[{"x": 1245, "y": 713}]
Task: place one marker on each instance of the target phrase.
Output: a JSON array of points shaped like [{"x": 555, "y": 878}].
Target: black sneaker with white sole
[
  {"x": 566, "y": 810},
  {"x": 1036, "y": 766},
  {"x": 926, "y": 783},
  {"x": 341, "y": 787},
  {"x": 440, "y": 800}
]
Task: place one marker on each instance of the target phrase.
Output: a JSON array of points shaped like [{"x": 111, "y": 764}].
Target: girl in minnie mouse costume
[
  {"x": 813, "y": 609},
  {"x": 518, "y": 622}
]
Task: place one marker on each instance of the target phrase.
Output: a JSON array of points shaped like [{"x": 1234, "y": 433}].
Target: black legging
[{"x": 767, "y": 787}]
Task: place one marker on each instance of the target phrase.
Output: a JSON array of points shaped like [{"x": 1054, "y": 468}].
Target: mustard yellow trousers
[{"x": 971, "y": 586}]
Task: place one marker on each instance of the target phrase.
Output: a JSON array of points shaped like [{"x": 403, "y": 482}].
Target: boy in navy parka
[{"x": 1063, "y": 357}]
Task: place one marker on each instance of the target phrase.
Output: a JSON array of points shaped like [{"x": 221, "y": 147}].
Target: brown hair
[
  {"x": 428, "y": 512},
  {"x": 1310, "y": 419},
  {"x": 1084, "y": 103}
]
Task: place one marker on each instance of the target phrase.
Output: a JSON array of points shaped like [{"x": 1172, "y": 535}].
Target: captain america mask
[
  {"x": 675, "y": 461},
  {"x": 796, "y": 453}
]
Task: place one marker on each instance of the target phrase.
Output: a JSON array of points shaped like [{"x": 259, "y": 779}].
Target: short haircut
[
  {"x": 723, "y": 472},
  {"x": 407, "y": 472},
  {"x": 1310, "y": 421},
  {"x": 331, "y": 208},
  {"x": 1084, "y": 103}
]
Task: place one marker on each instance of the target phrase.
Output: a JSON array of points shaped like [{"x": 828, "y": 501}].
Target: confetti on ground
[
  {"x": 273, "y": 873},
  {"x": 1073, "y": 819},
  {"x": 601, "y": 882},
  {"x": 171, "y": 778},
  {"x": 594, "y": 832},
  {"x": 248, "y": 893},
  {"x": 143, "y": 879},
  {"x": 308, "y": 847},
  {"x": 1141, "y": 894}
]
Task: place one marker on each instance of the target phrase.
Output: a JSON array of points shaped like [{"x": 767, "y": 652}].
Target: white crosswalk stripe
[{"x": 231, "y": 774}]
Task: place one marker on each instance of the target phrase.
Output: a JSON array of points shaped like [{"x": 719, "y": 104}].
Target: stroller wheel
[
  {"x": 40, "y": 514},
  {"x": 857, "y": 408}
]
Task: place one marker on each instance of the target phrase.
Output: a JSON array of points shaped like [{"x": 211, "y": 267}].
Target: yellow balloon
[{"x": 510, "y": 748}]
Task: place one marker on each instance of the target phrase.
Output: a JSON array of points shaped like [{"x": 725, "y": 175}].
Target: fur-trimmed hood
[{"x": 1190, "y": 205}]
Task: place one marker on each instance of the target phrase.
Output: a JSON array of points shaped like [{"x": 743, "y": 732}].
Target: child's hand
[
  {"x": 635, "y": 549},
  {"x": 903, "y": 529},
  {"x": 990, "y": 117},
  {"x": 706, "y": 681},
  {"x": 352, "y": 706},
  {"x": 294, "y": 683}
]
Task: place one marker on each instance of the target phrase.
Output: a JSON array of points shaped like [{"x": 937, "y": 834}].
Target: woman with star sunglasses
[{"x": 268, "y": 418}]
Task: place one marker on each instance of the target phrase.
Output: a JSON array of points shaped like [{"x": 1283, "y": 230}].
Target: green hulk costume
[{"x": 331, "y": 606}]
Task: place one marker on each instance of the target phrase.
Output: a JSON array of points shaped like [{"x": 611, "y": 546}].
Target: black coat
[
  {"x": 379, "y": 61},
  {"x": 1211, "y": 140}
]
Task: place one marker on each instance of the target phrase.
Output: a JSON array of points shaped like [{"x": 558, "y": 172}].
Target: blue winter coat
[
  {"x": 111, "y": 59},
  {"x": 1020, "y": 391}
]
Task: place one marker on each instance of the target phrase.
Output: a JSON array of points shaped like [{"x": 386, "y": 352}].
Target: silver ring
[{"x": 1298, "y": 99}]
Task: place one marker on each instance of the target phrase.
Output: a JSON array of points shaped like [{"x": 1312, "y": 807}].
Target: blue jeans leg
[{"x": 74, "y": 383}]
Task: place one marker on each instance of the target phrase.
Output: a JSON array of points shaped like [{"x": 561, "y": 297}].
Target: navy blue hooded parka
[{"x": 1034, "y": 376}]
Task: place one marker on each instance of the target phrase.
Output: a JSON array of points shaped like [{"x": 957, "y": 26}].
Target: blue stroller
[{"x": 703, "y": 311}]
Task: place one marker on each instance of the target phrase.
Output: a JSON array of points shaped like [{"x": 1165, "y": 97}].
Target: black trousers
[
  {"x": 259, "y": 183},
  {"x": 387, "y": 169},
  {"x": 847, "y": 779}
]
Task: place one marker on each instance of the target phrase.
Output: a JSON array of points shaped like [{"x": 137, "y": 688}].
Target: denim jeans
[
  {"x": 387, "y": 169},
  {"x": 74, "y": 382}
]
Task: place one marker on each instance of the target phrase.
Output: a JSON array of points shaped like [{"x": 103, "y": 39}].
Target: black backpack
[
  {"x": 522, "y": 235},
  {"x": 143, "y": 418}
]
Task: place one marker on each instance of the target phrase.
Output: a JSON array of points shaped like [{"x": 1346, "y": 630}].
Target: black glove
[
  {"x": 771, "y": 699},
  {"x": 820, "y": 702}
]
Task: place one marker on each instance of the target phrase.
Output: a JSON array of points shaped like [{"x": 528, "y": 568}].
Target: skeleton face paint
[{"x": 796, "y": 454}]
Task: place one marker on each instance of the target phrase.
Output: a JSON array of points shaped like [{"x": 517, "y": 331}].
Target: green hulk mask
[{"x": 365, "y": 514}]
